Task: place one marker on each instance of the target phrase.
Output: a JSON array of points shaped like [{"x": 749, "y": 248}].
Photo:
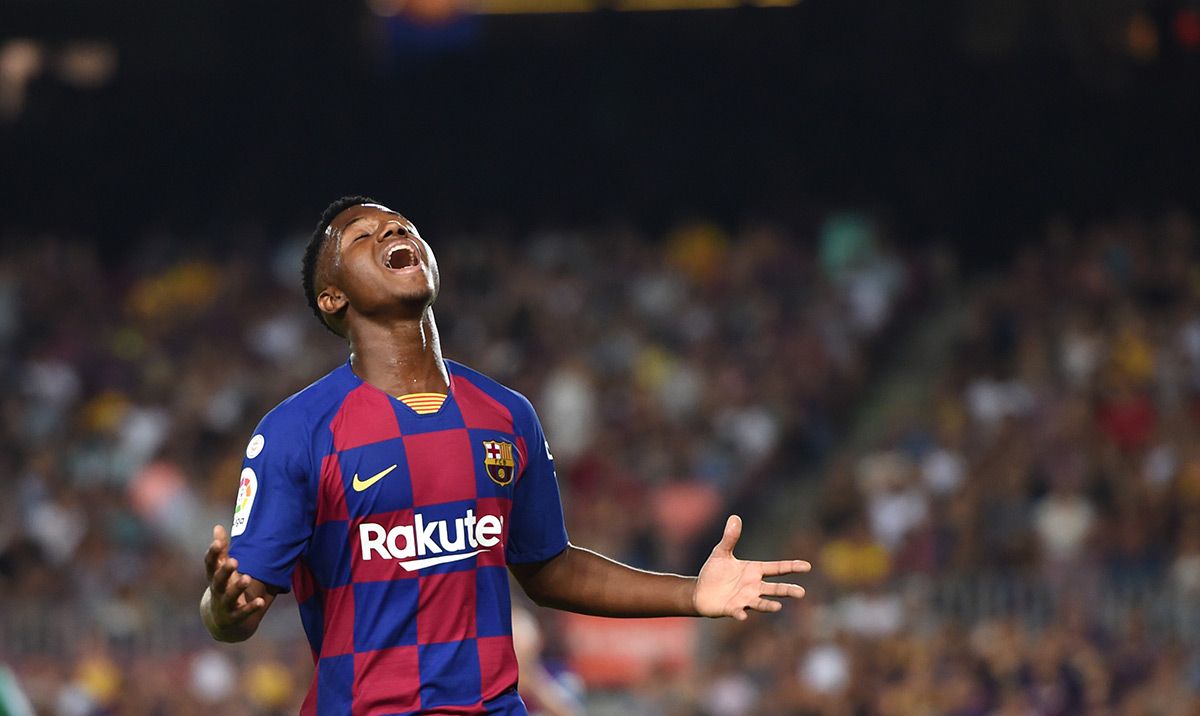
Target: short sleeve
[
  {"x": 274, "y": 512},
  {"x": 536, "y": 531}
]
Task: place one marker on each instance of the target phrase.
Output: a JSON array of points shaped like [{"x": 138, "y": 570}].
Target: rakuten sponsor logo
[{"x": 412, "y": 543}]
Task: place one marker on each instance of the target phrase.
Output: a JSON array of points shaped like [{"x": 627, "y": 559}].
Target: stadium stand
[{"x": 1024, "y": 540}]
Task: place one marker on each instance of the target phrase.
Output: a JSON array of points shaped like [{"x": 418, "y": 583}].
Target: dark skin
[{"x": 386, "y": 314}]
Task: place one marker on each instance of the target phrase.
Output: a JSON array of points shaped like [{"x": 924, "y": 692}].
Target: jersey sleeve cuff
[
  {"x": 247, "y": 564},
  {"x": 541, "y": 555}
]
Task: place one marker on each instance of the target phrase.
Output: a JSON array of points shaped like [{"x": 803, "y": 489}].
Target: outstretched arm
[
  {"x": 234, "y": 603},
  {"x": 580, "y": 580}
]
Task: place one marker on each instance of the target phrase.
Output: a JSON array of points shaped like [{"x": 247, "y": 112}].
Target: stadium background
[{"x": 915, "y": 290}]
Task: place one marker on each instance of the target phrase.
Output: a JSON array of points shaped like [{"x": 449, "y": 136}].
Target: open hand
[
  {"x": 728, "y": 586},
  {"x": 227, "y": 603}
]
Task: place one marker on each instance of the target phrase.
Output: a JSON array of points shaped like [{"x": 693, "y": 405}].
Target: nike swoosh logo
[
  {"x": 360, "y": 485},
  {"x": 414, "y": 564}
]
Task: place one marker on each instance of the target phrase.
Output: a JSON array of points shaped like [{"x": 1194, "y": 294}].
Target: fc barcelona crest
[{"x": 498, "y": 461}]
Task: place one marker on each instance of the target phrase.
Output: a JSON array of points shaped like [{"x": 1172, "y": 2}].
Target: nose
[{"x": 391, "y": 230}]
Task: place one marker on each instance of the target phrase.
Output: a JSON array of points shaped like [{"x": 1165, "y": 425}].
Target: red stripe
[
  {"x": 331, "y": 492},
  {"x": 364, "y": 417},
  {"x": 480, "y": 410},
  {"x": 523, "y": 451},
  {"x": 309, "y": 708}
]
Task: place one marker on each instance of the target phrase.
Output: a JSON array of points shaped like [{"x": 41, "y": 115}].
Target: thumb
[{"x": 733, "y": 531}]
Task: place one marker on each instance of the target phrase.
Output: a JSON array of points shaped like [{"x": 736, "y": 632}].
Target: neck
[{"x": 400, "y": 357}]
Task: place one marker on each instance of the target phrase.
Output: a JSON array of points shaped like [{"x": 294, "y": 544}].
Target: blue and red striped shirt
[{"x": 395, "y": 530}]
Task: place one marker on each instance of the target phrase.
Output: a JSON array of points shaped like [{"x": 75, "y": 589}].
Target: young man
[{"x": 393, "y": 494}]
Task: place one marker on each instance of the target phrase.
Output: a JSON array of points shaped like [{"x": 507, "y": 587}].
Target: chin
[{"x": 417, "y": 299}]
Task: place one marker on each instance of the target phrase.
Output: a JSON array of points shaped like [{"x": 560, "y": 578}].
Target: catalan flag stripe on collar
[{"x": 424, "y": 403}]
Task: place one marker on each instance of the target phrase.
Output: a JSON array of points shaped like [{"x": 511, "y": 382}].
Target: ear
[{"x": 332, "y": 301}]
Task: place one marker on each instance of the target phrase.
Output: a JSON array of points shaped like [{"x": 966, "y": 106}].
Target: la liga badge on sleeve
[{"x": 498, "y": 461}]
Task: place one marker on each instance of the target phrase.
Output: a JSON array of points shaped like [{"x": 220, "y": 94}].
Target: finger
[
  {"x": 733, "y": 530},
  {"x": 219, "y": 546},
  {"x": 740, "y": 615},
  {"x": 779, "y": 589},
  {"x": 213, "y": 559},
  {"x": 787, "y": 566},
  {"x": 249, "y": 609},
  {"x": 220, "y": 578},
  {"x": 238, "y": 583},
  {"x": 766, "y": 605}
]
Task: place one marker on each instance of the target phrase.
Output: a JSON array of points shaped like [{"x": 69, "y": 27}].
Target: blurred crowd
[
  {"x": 814, "y": 661},
  {"x": 1061, "y": 436},
  {"x": 676, "y": 375},
  {"x": 1054, "y": 469}
]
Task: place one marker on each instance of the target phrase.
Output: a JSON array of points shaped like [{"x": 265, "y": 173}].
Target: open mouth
[{"x": 400, "y": 256}]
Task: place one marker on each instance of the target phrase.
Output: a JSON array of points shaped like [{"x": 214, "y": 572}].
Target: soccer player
[{"x": 395, "y": 493}]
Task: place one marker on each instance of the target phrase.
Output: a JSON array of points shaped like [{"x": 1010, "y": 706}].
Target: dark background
[{"x": 958, "y": 119}]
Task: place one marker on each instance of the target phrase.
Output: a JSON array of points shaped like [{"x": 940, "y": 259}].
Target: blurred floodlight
[
  {"x": 1142, "y": 38},
  {"x": 441, "y": 10},
  {"x": 659, "y": 5},
  {"x": 87, "y": 65},
  {"x": 428, "y": 12},
  {"x": 21, "y": 60},
  {"x": 1187, "y": 28},
  {"x": 531, "y": 7}
]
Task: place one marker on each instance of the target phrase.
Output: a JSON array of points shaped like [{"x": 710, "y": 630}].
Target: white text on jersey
[{"x": 430, "y": 538}]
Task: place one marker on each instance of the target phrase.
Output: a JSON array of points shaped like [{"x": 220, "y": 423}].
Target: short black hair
[{"x": 308, "y": 271}]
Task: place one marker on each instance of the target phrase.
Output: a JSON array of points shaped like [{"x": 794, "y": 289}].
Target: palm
[{"x": 728, "y": 586}]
